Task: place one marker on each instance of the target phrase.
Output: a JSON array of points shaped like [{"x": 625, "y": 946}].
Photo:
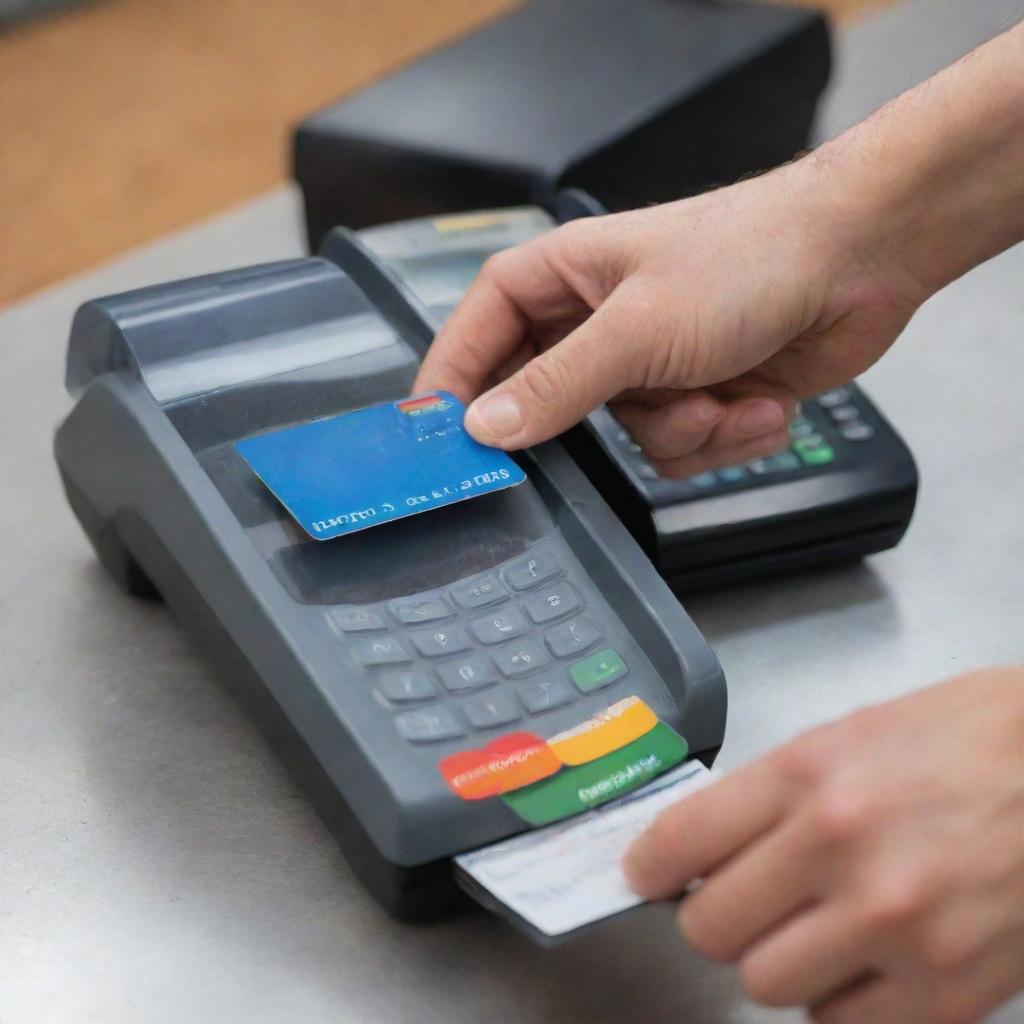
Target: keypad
[
  {"x": 485, "y": 653},
  {"x": 499, "y": 626},
  {"x": 817, "y": 436},
  {"x": 573, "y": 637},
  {"x": 552, "y": 603}
]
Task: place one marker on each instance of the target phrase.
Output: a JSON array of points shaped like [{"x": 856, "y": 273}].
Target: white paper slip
[{"x": 567, "y": 875}]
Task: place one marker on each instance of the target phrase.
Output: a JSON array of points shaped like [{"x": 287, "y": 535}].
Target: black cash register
[
  {"x": 364, "y": 657},
  {"x": 845, "y": 488}
]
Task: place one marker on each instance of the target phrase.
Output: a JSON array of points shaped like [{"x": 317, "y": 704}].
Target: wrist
[{"x": 930, "y": 185}]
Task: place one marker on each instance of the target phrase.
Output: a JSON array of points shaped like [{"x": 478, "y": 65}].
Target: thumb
[{"x": 559, "y": 387}]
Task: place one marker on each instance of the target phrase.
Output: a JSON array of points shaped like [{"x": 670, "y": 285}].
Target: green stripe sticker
[{"x": 574, "y": 790}]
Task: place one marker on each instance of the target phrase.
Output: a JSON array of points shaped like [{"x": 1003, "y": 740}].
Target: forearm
[{"x": 933, "y": 183}]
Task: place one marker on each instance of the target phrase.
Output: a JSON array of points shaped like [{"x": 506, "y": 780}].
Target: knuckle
[
  {"x": 545, "y": 381},
  {"x": 837, "y": 817},
  {"x": 701, "y": 931},
  {"x": 801, "y": 764},
  {"x": 945, "y": 949},
  {"x": 761, "y": 983},
  {"x": 895, "y": 902}
]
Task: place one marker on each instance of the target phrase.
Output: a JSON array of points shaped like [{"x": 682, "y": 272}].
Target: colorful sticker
[
  {"x": 626, "y": 720},
  {"x": 506, "y": 763},
  {"x": 423, "y": 404},
  {"x": 578, "y": 789}
]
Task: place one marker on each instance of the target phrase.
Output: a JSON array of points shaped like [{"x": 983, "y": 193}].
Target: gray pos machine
[{"x": 369, "y": 657}]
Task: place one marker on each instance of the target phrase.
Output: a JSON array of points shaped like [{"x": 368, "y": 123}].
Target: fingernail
[
  {"x": 760, "y": 418},
  {"x": 500, "y": 415}
]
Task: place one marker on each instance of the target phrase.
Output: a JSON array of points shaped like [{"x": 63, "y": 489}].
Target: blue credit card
[{"x": 364, "y": 468}]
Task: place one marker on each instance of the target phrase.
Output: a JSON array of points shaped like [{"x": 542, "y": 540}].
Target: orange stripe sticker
[
  {"x": 509, "y": 762},
  {"x": 625, "y": 721}
]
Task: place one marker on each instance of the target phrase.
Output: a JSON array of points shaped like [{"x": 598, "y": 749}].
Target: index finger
[
  {"x": 692, "y": 838},
  {"x": 482, "y": 333},
  {"x": 514, "y": 289}
]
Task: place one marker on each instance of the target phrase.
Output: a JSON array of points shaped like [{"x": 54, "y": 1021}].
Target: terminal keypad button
[
  {"x": 411, "y": 613},
  {"x": 837, "y": 396},
  {"x": 403, "y": 687},
  {"x": 844, "y": 413},
  {"x": 468, "y": 674},
  {"x": 357, "y": 620},
  {"x": 385, "y": 650},
  {"x": 541, "y": 695},
  {"x": 428, "y": 725},
  {"x": 435, "y": 643},
  {"x": 573, "y": 637},
  {"x": 491, "y": 710},
  {"x": 552, "y": 602},
  {"x": 521, "y": 659},
  {"x": 479, "y": 593},
  {"x": 532, "y": 571},
  {"x": 786, "y": 461},
  {"x": 857, "y": 431},
  {"x": 499, "y": 626},
  {"x": 598, "y": 670}
]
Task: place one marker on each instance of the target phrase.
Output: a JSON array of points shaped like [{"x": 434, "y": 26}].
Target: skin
[{"x": 859, "y": 871}]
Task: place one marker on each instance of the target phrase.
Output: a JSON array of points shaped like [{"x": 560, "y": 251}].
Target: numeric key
[
  {"x": 403, "y": 687},
  {"x": 487, "y": 712},
  {"x": 542, "y": 695},
  {"x": 435, "y": 643},
  {"x": 532, "y": 571},
  {"x": 499, "y": 626},
  {"x": 518, "y": 660},
  {"x": 479, "y": 593},
  {"x": 385, "y": 650},
  {"x": 573, "y": 637},
  {"x": 428, "y": 725},
  {"x": 428, "y": 609},
  {"x": 552, "y": 602}
]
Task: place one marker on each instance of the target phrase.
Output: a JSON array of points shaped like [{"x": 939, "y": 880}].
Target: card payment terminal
[
  {"x": 845, "y": 488},
  {"x": 368, "y": 657}
]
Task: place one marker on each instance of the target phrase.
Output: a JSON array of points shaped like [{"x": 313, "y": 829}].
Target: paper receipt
[{"x": 567, "y": 875}]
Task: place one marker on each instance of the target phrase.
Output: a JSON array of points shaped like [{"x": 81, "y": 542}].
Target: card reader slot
[{"x": 296, "y": 396}]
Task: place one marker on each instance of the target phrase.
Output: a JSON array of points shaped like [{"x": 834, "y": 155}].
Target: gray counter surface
[{"x": 156, "y": 862}]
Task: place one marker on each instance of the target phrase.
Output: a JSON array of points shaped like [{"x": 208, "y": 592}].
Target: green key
[
  {"x": 813, "y": 450},
  {"x": 598, "y": 670},
  {"x": 818, "y": 456}
]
